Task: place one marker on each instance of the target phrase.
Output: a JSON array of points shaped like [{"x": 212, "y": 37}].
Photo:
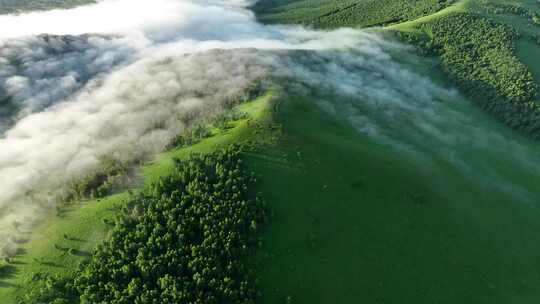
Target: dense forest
[
  {"x": 479, "y": 56},
  {"x": 338, "y": 13},
  {"x": 182, "y": 240}
]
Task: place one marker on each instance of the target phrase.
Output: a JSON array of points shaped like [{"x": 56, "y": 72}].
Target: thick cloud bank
[
  {"x": 121, "y": 77},
  {"x": 38, "y": 71}
]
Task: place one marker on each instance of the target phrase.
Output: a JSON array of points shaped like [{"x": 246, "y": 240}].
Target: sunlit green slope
[{"x": 357, "y": 221}]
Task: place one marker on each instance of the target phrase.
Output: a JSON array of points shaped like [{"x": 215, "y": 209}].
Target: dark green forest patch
[
  {"x": 479, "y": 56},
  {"x": 182, "y": 240}
]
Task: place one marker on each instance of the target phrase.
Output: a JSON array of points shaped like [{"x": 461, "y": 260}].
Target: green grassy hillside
[{"x": 359, "y": 222}]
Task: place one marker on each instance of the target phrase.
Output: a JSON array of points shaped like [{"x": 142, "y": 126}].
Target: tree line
[
  {"x": 512, "y": 9},
  {"x": 348, "y": 13},
  {"x": 184, "y": 239},
  {"x": 478, "y": 55}
]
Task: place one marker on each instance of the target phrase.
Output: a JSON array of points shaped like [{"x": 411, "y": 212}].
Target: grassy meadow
[{"x": 359, "y": 221}]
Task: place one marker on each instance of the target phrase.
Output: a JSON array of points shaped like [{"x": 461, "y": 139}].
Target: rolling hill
[{"x": 429, "y": 195}]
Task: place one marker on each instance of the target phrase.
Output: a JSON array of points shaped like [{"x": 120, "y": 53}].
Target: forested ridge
[
  {"x": 339, "y": 13},
  {"x": 373, "y": 13},
  {"x": 182, "y": 240},
  {"x": 478, "y": 55}
]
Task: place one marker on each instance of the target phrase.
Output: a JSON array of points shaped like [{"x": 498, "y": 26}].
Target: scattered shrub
[{"x": 110, "y": 175}]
